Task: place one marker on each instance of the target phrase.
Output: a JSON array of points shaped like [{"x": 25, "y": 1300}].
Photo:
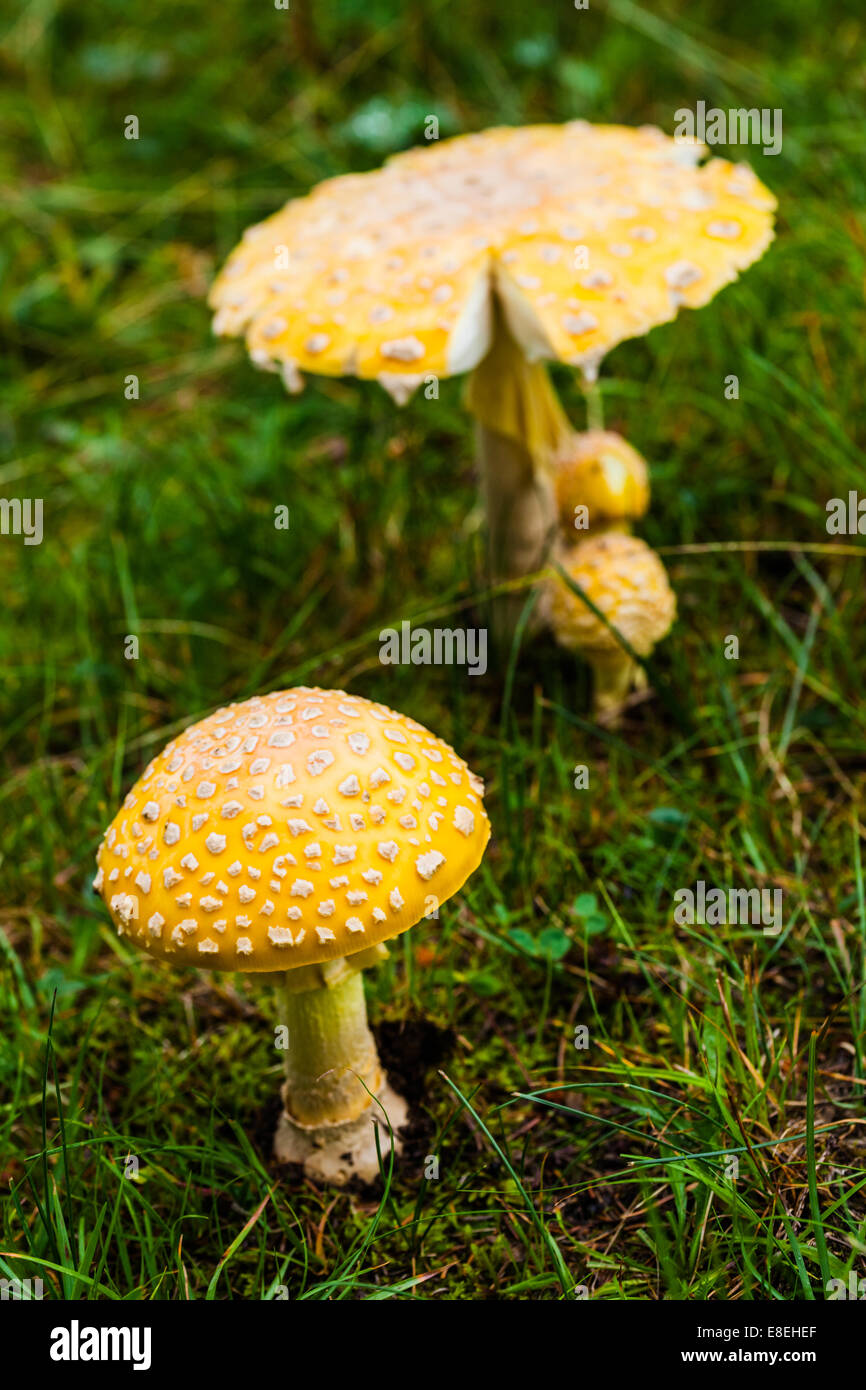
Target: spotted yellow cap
[
  {"x": 626, "y": 581},
  {"x": 290, "y": 829},
  {"x": 586, "y": 235}
]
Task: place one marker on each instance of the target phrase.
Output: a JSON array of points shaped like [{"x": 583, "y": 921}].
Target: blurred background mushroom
[
  {"x": 600, "y": 483},
  {"x": 490, "y": 253},
  {"x": 627, "y": 589},
  {"x": 293, "y": 835}
]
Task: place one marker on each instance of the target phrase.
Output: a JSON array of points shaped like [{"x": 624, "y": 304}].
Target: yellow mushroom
[
  {"x": 627, "y": 582},
  {"x": 600, "y": 481},
  {"x": 293, "y": 835},
  {"x": 488, "y": 254}
]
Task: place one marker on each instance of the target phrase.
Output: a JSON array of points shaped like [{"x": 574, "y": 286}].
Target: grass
[{"x": 706, "y": 1142}]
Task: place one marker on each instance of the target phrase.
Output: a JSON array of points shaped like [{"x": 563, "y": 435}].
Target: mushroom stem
[
  {"x": 332, "y": 1067},
  {"x": 340, "y": 1115},
  {"x": 594, "y": 403},
  {"x": 521, "y": 425},
  {"x": 519, "y": 516},
  {"x": 614, "y": 675}
]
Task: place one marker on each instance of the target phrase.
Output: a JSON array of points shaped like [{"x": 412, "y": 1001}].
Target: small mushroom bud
[
  {"x": 627, "y": 583},
  {"x": 600, "y": 472}
]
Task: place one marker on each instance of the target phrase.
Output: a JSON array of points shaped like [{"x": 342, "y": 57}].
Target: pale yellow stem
[
  {"x": 332, "y": 1067},
  {"x": 521, "y": 428},
  {"x": 615, "y": 674}
]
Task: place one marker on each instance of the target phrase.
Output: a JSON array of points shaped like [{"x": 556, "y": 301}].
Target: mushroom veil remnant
[
  {"x": 489, "y": 254},
  {"x": 293, "y": 835}
]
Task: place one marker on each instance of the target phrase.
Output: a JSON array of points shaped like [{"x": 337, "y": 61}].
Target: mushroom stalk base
[
  {"x": 335, "y": 1091},
  {"x": 615, "y": 674},
  {"x": 335, "y": 1153}
]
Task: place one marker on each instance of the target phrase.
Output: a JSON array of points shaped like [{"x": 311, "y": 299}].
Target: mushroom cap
[
  {"x": 601, "y": 471},
  {"x": 293, "y": 828},
  {"x": 626, "y": 581},
  {"x": 588, "y": 234}
]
